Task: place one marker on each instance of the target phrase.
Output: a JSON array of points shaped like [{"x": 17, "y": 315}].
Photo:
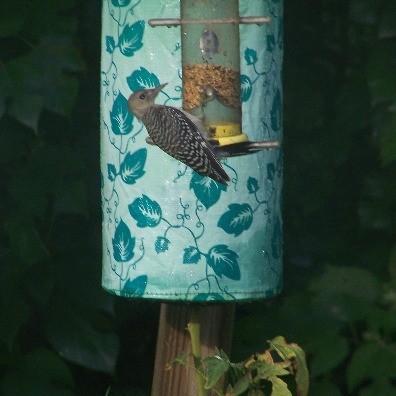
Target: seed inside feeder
[{"x": 223, "y": 80}]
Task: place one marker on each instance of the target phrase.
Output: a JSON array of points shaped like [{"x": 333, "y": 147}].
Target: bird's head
[{"x": 140, "y": 101}]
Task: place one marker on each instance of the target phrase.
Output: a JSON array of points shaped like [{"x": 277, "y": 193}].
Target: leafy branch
[{"x": 267, "y": 373}]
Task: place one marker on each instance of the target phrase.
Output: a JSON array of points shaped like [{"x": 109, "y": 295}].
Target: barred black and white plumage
[{"x": 177, "y": 133}]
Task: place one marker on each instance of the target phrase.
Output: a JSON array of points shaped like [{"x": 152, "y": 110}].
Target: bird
[{"x": 177, "y": 133}]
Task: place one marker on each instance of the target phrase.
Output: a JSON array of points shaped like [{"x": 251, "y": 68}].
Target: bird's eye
[{"x": 142, "y": 96}]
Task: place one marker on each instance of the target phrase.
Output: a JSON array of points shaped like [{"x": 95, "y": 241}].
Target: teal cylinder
[{"x": 168, "y": 233}]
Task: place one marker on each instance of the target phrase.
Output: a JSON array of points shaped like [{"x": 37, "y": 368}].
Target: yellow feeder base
[
  {"x": 227, "y": 134},
  {"x": 224, "y": 141},
  {"x": 219, "y": 131}
]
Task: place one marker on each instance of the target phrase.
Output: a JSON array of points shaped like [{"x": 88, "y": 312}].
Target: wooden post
[{"x": 217, "y": 322}]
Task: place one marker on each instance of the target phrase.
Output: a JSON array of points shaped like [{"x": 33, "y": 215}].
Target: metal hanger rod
[{"x": 177, "y": 21}]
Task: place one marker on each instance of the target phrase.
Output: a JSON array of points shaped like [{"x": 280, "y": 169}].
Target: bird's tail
[
  {"x": 242, "y": 148},
  {"x": 222, "y": 178},
  {"x": 217, "y": 171}
]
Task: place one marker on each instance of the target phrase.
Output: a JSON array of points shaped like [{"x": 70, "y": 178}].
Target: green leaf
[
  {"x": 240, "y": 387},
  {"x": 284, "y": 350},
  {"x": 15, "y": 313},
  {"x": 377, "y": 202},
  {"x": 371, "y": 361},
  {"x": 82, "y": 333},
  {"x": 27, "y": 101},
  {"x": 38, "y": 283},
  {"x": 381, "y": 75},
  {"x": 374, "y": 214},
  {"x": 328, "y": 353},
  {"x": 71, "y": 197},
  {"x": 363, "y": 12},
  {"x": 26, "y": 107},
  {"x": 353, "y": 109},
  {"x": 12, "y": 16},
  {"x": 387, "y": 24},
  {"x": 279, "y": 388},
  {"x": 346, "y": 293},
  {"x": 302, "y": 374},
  {"x": 293, "y": 351},
  {"x": 379, "y": 388},
  {"x": 5, "y": 87},
  {"x": 39, "y": 79},
  {"x": 11, "y": 24},
  {"x": 48, "y": 18},
  {"x": 392, "y": 262},
  {"x": 216, "y": 366},
  {"x": 181, "y": 359},
  {"x": 40, "y": 372},
  {"x": 255, "y": 392},
  {"x": 30, "y": 187},
  {"x": 388, "y": 142},
  {"x": 307, "y": 102},
  {"x": 383, "y": 320},
  {"x": 268, "y": 371},
  {"x": 323, "y": 388},
  {"x": 28, "y": 192},
  {"x": 13, "y": 144},
  {"x": 26, "y": 242}
]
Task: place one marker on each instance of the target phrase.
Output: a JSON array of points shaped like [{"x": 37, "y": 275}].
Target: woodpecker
[{"x": 177, "y": 133}]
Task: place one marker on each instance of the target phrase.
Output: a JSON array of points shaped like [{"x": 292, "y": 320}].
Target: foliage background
[{"x": 63, "y": 336}]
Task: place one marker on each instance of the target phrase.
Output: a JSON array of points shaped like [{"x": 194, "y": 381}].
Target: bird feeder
[
  {"x": 168, "y": 233},
  {"x": 210, "y": 64}
]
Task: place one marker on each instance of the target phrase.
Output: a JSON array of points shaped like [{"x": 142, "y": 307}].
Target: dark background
[{"x": 61, "y": 334}]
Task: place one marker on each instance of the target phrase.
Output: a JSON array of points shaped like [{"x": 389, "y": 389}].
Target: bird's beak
[{"x": 156, "y": 90}]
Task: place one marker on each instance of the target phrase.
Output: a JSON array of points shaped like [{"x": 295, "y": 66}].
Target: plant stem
[{"x": 194, "y": 328}]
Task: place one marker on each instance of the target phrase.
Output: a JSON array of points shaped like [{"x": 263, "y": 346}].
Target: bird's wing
[
  {"x": 196, "y": 150},
  {"x": 197, "y": 120}
]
